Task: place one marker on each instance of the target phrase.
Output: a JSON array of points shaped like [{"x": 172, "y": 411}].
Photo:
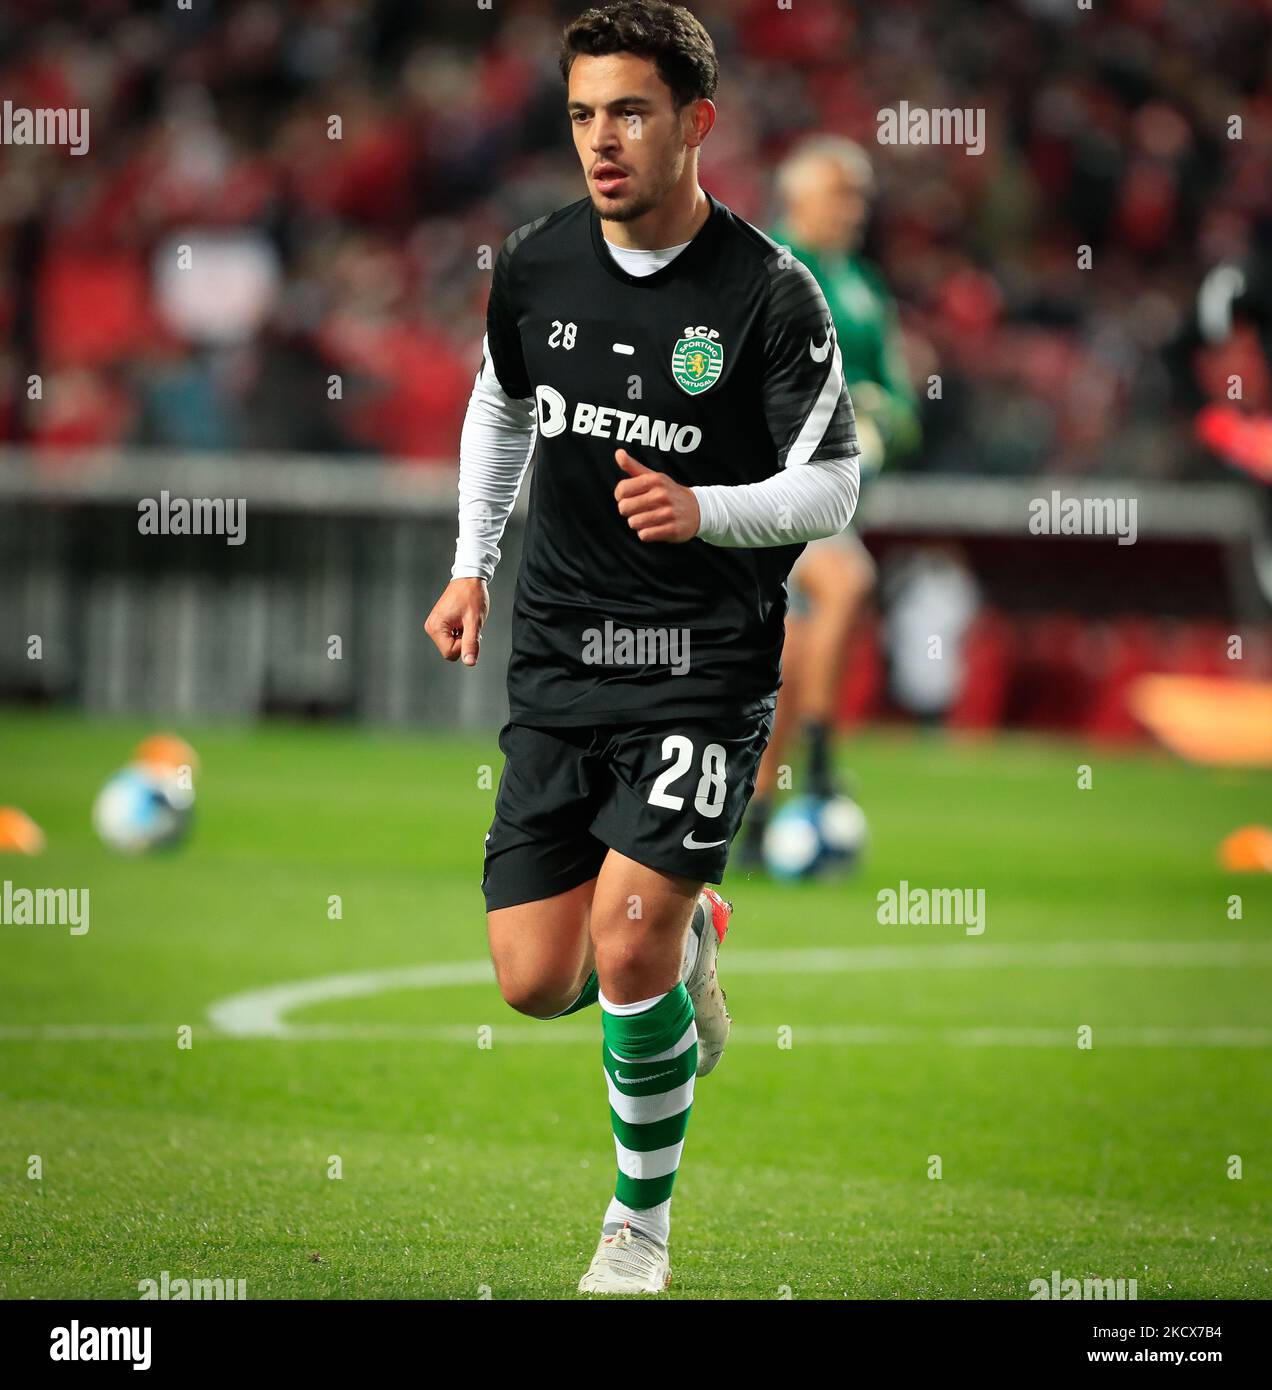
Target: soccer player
[
  {"x": 825, "y": 185},
  {"x": 681, "y": 377}
]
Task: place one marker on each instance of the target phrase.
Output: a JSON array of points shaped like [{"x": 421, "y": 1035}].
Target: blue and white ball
[
  {"x": 811, "y": 836},
  {"x": 141, "y": 809}
]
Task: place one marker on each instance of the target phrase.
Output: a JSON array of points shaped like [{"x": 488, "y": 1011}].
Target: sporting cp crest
[{"x": 697, "y": 363}]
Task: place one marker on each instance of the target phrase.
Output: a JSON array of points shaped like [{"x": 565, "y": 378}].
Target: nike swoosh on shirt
[
  {"x": 636, "y": 1080},
  {"x": 690, "y": 843},
  {"x": 820, "y": 354}
]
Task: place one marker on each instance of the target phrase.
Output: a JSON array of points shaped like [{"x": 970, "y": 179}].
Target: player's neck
[{"x": 676, "y": 220}]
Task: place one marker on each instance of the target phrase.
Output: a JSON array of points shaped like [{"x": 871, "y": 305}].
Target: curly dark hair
[{"x": 669, "y": 34}]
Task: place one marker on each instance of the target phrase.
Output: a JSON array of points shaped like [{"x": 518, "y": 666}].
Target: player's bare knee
[
  {"x": 537, "y": 998},
  {"x": 627, "y": 963}
]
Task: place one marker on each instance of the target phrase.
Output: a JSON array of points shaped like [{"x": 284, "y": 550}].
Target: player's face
[
  {"x": 831, "y": 206},
  {"x": 630, "y": 137}
]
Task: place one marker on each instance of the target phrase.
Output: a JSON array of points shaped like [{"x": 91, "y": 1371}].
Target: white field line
[
  {"x": 502, "y": 1035},
  {"x": 259, "y": 1012},
  {"x": 262, "y": 1013}
]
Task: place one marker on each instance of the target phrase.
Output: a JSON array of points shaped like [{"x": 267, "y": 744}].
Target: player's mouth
[{"x": 609, "y": 178}]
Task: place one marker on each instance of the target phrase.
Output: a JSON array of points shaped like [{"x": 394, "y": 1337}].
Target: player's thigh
[
  {"x": 542, "y": 950},
  {"x": 638, "y": 923},
  {"x": 541, "y": 859}
]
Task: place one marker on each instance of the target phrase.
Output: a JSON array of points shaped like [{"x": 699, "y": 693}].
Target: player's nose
[{"x": 605, "y": 135}]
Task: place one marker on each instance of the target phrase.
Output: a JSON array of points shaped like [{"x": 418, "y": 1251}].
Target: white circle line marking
[{"x": 263, "y": 1012}]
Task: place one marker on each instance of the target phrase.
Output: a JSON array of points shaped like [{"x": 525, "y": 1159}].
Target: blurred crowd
[{"x": 339, "y": 285}]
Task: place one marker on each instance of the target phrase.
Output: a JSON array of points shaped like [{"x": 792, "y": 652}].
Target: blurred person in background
[
  {"x": 1230, "y": 360},
  {"x": 1107, "y": 129},
  {"x": 932, "y": 600},
  {"x": 825, "y": 186}
]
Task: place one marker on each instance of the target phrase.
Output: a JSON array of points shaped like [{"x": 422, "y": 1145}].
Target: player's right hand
[{"x": 457, "y": 619}]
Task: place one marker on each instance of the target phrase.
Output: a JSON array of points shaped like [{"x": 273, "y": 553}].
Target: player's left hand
[{"x": 656, "y": 508}]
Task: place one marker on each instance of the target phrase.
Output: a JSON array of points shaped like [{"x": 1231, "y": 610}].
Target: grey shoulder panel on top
[
  {"x": 779, "y": 262},
  {"x": 531, "y": 229},
  {"x": 791, "y": 282}
]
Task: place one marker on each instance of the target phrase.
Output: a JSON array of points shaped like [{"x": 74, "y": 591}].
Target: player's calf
[{"x": 650, "y": 1054}]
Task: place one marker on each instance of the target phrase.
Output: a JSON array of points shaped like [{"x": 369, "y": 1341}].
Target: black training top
[{"x": 722, "y": 367}]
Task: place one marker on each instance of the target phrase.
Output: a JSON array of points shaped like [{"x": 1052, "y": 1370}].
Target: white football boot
[
  {"x": 627, "y": 1261},
  {"x": 709, "y": 924}
]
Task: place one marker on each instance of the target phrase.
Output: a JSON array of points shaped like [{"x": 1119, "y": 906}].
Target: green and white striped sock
[{"x": 650, "y": 1055}]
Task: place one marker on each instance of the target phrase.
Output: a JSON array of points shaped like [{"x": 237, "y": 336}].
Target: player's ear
[{"x": 698, "y": 118}]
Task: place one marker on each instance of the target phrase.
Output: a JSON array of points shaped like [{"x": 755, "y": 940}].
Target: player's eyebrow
[{"x": 577, "y": 105}]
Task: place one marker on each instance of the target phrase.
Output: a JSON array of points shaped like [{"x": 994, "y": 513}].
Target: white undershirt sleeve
[
  {"x": 802, "y": 503},
  {"x": 494, "y": 451}
]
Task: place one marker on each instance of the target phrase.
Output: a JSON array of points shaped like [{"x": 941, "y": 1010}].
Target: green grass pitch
[{"x": 471, "y": 1171}]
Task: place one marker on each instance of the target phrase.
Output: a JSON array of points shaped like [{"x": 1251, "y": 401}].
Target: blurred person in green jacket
[{"x": 825, "y": 186}]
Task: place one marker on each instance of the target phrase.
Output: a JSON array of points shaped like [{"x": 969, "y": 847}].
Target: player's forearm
[
  {"x": 494, "y": 450},
  {"x": 802, "y": 503}
]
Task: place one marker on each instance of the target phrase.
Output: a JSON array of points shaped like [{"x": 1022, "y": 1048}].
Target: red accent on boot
[{"x": 720, "y": 912}]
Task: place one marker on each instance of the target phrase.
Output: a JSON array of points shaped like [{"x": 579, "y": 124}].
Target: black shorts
[{"x": 669, "y": 794}]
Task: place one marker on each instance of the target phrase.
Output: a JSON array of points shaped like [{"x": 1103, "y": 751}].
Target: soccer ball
[
  {"x": 142, "y": 808},
  {"x": 811, "y": 836}
]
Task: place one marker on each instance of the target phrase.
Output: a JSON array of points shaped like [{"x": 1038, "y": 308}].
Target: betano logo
[{"x": 608, "y": 422}]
